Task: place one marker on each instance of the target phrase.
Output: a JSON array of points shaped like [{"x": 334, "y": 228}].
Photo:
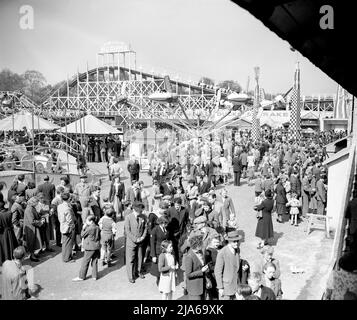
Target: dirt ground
[{"x": 293, "y": 247}]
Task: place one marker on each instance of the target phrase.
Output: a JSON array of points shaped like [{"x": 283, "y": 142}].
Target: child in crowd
[
  {"x": 108, "y": 231},
  {"x": 243, "y": 291},
  {"x": 91, "y": 235},
  {"x": 86, "y": 209},
  {"x": 271, "y": 281},
  {"x": 232, "y": 223},
  {"x": 294, "y": 205},
  {"x": 167, "y": 267},
  {"x": 180, "y": 194}
]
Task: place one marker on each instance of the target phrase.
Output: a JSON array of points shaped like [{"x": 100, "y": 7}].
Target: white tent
[
  {"x": 89, "y": 125},
  {"x": 24, "y": 119}
]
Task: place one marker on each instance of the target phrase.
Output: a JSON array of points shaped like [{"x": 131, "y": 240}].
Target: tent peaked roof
[
  {"x": 24, "y": 119},
  {"x": 89, "y": 124}
]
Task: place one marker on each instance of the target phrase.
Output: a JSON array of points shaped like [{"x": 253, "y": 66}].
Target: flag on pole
[
  {"x": 255, "y": 119},
  {"x": 295, "y": 117}
]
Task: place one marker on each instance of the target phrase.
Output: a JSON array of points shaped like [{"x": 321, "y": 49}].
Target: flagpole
[
  {"x": 33, "y": 143},
  {"x": 65, "y": 121}
]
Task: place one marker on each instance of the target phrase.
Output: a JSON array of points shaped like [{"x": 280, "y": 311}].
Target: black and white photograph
[{"x": 178, "y": 150}]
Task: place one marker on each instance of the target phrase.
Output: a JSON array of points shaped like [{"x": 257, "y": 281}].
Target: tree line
[{"x": 32, "y": 83}]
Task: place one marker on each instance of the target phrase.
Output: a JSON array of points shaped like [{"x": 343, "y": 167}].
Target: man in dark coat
[
  {"x": 321, "y": 195},
  {"x": 167, "y": 188},
  {"x": 203, "y": 187},
  {"x": 295, "y": 183},
  {"x": 281, "y": 199},
  {"x": 94, "y": 203},
  {"x": 134, "y": 168},
  {"x": 117, "y": 147},
  {"x": 178, "y": 217},
  {"x": 237, "y": 169},
  {"x": 8, "y": 240},
  {"x": 195, "y": 269},
  {"x": 158, "y": 234},
  {"x": 209, "y": 171},
  {"x": 48, "y": 190}
]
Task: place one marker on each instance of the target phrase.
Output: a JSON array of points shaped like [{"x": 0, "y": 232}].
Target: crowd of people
[{"x": 187, "y": 227}]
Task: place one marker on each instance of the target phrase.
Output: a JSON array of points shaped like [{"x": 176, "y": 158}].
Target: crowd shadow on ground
[
  {"x": 44, "y": 256},
  {"x": 277, "y": 236},
  {"x": 118, "y": 261}
]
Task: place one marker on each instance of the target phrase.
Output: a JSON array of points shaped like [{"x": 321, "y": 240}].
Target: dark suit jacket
[
  {"x": 178, "y": 221},
  {"x": 133, "y": 167},
  {"x": 157, "y": 236},
  {"x": 49, "y": 191},
  {"x": 130, "y": 195},
  {"x": 91, "y": 236},
  {"x": 167, "y": 190},
  {"x": 195, "y": 277},
  {"x": 295, "y": 184},
  {"x": 209, "y": 169},
  {"x": 203, "y": 188},
  {"x": 112, "y": 192},
  {"x": 280, "y": 194},
  {"x": 237, "y": 164},
  {"x": 95, "y": 206}
]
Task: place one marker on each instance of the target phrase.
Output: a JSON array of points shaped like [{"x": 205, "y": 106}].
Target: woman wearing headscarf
[
  {"x": 32, "y": 225},
  {"x": 264, "y": 229}
]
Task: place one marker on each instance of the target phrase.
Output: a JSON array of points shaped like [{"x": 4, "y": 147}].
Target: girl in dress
[
  {"x": 167, "y": 268},
  {"x": 294, "y": 205}
]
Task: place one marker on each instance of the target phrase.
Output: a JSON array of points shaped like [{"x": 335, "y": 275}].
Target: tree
[
  {"x": 230, "y": 84},
  {"x": 34, "y": 84},
  {"x": 10, "y": 81},
  {"x": 207, "y": 81}
]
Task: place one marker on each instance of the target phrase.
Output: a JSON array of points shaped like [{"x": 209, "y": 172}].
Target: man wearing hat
[
  {"x": 135, "y": 231},
  {"x": 21, "y": 185},
  {"x": 178, "y": 219},
  {"x": 48, "y": 190},
  {"x": 167, "y": 188},
  {"x": 201, "y": 228},
  {"x": 230, "y": 270},
  {"x": 321, "y": 194},
  {"x": 82, "y": 190}
]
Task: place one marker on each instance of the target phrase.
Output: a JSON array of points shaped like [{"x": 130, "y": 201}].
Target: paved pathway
[{"x": 292, "y": 247}]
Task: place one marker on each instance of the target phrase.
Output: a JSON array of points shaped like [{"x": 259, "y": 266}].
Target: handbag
[{"x": 259, "y": 214}]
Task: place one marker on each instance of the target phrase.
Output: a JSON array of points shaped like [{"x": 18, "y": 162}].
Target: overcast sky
[{"x": 188, "y": 38}]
